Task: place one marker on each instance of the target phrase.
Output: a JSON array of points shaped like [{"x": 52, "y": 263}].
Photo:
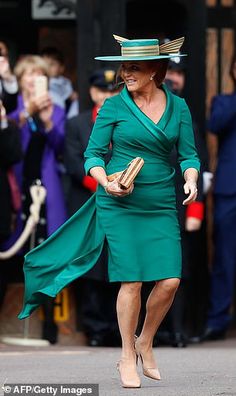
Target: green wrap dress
[{"x": 141, "y": 229}]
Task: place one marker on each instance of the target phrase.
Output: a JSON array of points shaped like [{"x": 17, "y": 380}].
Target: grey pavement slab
[{"x": 208, "y": 369}]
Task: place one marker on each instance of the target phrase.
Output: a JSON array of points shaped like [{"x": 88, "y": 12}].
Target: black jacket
[
  {"x": 10, "y": 153},
  {"x": 9, "y": 100},
  {"x": 78, "y": 130}
]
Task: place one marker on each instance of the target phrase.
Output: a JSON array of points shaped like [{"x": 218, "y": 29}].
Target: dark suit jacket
[
  {"x": 10, "y": 153},
  {"x": 78, "y": 130},
  {"x": 9, "y": 100},
  {"x": 222, "y": 123}
]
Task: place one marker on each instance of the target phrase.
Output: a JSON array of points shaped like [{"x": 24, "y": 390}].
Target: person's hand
[
  {"x": 2, "y": 111},
  {"x": 44, "y": 107},
  {"x": 74, "y": 96},
  {"x": 190, "y": 187},
  {"x": 192, "y": 224},
  {"x": 113, "y": 188},
  {"x": 3, "y": 117},
  {"x": 37, "y": 104},
  {"x": 207, "y": 181}
]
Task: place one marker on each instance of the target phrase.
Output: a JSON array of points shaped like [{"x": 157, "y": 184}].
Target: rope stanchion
[{"x": 38, "y": 194}]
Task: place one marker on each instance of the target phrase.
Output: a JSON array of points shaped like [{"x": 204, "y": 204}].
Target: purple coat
[{"x": 55, "y": 203}]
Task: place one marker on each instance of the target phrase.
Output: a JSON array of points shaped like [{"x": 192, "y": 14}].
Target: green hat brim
[{"x": 137, "y": 58}]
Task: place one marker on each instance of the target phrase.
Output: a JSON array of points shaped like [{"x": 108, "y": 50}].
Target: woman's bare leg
[
  {"x": 128, "y": 308},
  {"x": 158, "y": 304}
]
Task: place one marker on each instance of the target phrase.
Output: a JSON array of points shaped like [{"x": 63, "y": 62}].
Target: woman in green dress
[{"x": 140, "y": 224}]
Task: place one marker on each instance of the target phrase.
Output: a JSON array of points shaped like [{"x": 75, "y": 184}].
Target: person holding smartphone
[{"x": 42, "y": 135}]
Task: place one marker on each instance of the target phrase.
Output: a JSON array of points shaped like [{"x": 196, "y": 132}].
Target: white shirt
[{"x": 11, "y": 87}]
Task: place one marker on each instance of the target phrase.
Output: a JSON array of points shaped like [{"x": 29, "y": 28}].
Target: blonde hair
[{"x": 33, "y": 62}]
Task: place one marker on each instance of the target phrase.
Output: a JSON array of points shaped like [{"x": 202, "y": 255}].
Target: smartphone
[{"x": 41, "y": 85}]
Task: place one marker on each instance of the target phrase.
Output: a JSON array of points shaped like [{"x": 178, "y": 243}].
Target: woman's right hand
[
  {"x": 38, "y": 104},
  {"x": 113, "y": 188},
  {"x": 2, "y": 111}
]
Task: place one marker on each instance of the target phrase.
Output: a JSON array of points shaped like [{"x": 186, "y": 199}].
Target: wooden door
[{"x": 220, "y": 47}]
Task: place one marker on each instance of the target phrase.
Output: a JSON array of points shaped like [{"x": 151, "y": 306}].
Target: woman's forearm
[
  {"x": 111, "y": 187},
  {"x": 191, "y": 174},
  {"x": 99, "y": 174}
]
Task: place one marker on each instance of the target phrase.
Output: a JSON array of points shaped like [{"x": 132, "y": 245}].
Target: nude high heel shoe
[
  {"x": 150, "y": 372},
  {"x": 129, "y": 377}
]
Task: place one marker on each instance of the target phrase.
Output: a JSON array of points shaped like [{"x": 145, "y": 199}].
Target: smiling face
[{"x": 136, "y": 75}]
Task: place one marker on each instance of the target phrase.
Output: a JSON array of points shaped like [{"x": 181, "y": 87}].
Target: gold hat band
[{"x": 150, "y": 50}]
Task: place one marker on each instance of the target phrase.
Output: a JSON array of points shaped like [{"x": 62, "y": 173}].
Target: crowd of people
[{"x": 43, "y": 137}]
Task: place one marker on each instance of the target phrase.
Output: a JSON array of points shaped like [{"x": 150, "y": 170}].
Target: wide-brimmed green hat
[{"x": 145, "y": 49}]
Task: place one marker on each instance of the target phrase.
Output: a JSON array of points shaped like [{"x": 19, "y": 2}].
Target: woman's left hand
[
  {"x": 43, "y": 106},
  {"x": 190, "y": 187},
  {"x": 113, "y": 188}
]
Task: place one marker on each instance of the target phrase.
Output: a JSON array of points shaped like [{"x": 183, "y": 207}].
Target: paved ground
[{"x": 208, "y": 369}]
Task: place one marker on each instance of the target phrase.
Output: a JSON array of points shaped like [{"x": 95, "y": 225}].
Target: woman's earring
[{"x": 151, "y": 78}]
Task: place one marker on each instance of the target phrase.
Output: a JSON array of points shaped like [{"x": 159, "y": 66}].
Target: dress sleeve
[
  {"x": 187, "y": 153},
  {"x": 101, "y": 136}
]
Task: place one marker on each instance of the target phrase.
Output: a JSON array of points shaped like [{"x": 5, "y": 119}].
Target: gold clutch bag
[{"x": 127, "y": 176}]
